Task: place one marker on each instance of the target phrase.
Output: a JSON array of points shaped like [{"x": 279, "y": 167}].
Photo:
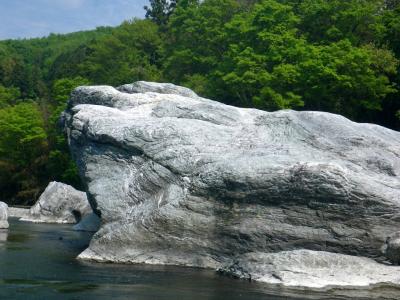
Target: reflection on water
[
  {"x": 19, "y": 237},
  {"x": 3, "y": 236},
  {"x": 37, "y": 261},
  {"x": 59, "y": 286}
]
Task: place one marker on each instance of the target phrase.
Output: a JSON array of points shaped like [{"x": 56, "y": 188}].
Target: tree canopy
[{"x": 329, "y": 55}]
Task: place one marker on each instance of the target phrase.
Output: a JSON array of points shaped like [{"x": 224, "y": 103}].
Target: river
[{"x": 37, "y": 261}]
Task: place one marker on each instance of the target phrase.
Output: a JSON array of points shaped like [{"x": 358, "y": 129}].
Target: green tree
[
  {"x": 261, "y": 67},
  {"x": 348, "y": 80},
  {"x": 8, "y": 96},
  {"x": 390, "y": 39},
  {"x": 131, "y": 53},
  {"x": 325, "y": 21},
  {"x": 159, "y": 11},
  {"x": 331, "y": 55},
  {"x": 197, "y": 41},
  {"x": 271, "y": 65},
  {"x": 62, "y": 89},
  {"x": 23, "y": 147},
  {"x": 59, "y": 164},
  {"x": 22, "y": 134}
]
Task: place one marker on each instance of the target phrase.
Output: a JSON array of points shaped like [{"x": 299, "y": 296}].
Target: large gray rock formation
[
  {"x": 183, "y": 180},
  {"x": 3, "y": 215},
  {"x": 59, "y": 203}
]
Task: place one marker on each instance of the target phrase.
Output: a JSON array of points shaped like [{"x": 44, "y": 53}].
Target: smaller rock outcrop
[
  {"x": 3, "y": 215},
  {"x": 160, "y": 88},
  {"x": 59, "y": 203},
  {"x": 312, "y": 269}
]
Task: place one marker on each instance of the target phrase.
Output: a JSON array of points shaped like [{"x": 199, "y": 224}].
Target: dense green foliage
[
  {"x": 330, "y": 55},
  {"x": 159, "y": 11}
]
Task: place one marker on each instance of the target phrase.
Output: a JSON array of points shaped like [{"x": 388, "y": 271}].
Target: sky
[{"x": 38, "y": 18}]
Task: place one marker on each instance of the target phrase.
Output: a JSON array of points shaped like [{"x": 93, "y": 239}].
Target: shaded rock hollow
[{"x": 183, "y": 180}]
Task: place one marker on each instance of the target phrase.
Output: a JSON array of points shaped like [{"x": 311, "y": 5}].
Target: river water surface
[{"x": 37, "y": 261}]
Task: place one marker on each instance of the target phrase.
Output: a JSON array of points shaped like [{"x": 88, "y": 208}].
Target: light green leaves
[{"x": 22, "y": 134}]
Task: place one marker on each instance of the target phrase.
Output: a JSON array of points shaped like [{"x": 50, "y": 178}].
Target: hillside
[{"x": 335, "y": 56}]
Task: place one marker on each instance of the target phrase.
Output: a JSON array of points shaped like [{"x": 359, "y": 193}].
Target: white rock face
[
  {"x": 16, "y": 212},
  {"x": 313, "y": 269},
  {"x": 3, "y": 216},
  {"x": 160, "y": 88},
  {"x": 59, "y": 203},
  {"x": 183, "y": 180}
]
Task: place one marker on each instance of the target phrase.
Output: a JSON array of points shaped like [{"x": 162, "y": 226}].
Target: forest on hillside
[{"x": 328, "y": 55}]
